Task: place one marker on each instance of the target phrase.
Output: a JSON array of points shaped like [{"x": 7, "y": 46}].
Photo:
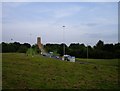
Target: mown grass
[
  {"x": 25, "y": 72},
  {"x": 108, "y": 62}
]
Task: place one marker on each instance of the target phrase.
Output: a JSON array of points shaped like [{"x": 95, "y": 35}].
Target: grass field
[{"x": 25, "y": 72}]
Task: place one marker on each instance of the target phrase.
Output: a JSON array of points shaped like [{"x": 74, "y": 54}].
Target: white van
[{"x": 69, "y": 58}]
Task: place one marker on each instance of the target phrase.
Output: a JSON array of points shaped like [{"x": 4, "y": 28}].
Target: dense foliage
[
  {"x": 100, "y": 50},
  {"x": 15, "y": 47}
]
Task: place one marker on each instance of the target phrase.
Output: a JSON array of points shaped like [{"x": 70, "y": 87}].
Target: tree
[
  {"x": 36, "y": 49},
  {"x": 60, "y": 50},
  {"x": 16, "y": 46},
  {"x": 99, "y": 45},
  {"x": 4, "y": 47},
  {"x": 22, "y": 49},
  {"x": 100, "y": 50},
  {"x": 108, "y": 47},
  {"x": 0, "y": 48},
  {"x": 52, "y": 47},
  {"x": 27, "y": 45}
]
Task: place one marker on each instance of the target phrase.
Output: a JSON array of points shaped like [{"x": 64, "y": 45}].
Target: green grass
[
  {"x": 107, "y": 62},
  {"x": 26, "y": 72}
]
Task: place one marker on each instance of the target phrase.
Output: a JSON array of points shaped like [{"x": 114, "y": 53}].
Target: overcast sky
[{"x": 85, "y": 22}]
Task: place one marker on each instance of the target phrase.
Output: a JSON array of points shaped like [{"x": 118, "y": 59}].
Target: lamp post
[
  {"x": 30, "y": 37},
  {"x": 63, "y": 41}
]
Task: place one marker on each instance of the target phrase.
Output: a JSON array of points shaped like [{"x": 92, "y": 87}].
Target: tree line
[
  {"x": 15, "y": 47},
  {"x": 100, "y": 50}
]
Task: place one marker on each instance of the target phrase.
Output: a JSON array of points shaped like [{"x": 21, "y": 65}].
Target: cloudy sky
[{"x": 85, "y": 22}]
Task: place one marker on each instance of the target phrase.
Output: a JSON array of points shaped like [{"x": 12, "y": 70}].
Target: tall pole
[
  {"x": 63, "y": 40},
  {"x": 30, "y": 38}
]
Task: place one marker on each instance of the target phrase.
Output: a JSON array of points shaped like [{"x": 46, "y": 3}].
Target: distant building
[
  {"x": 40, "y": 46},
  {"x": 39, "y": 42}
]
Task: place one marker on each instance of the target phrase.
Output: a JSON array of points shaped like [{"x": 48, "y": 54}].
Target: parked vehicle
[{"x": 69, "y": 58}]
